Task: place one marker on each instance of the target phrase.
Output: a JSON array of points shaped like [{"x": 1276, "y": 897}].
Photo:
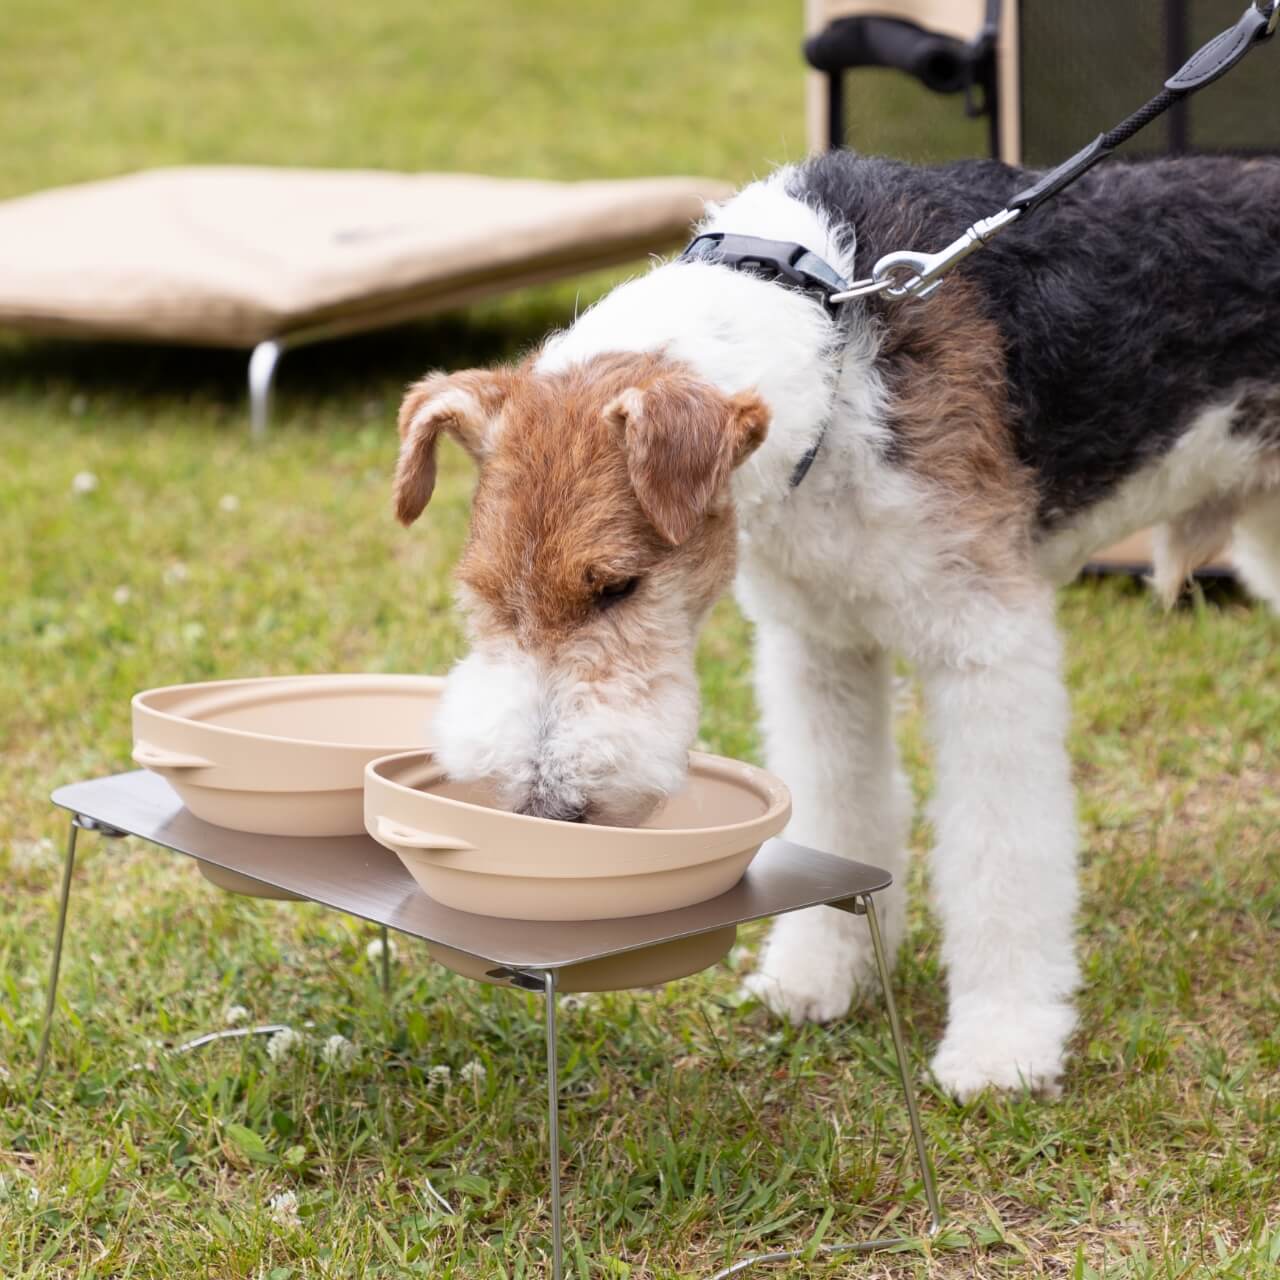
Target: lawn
[{"x": 696, "y": 1128}]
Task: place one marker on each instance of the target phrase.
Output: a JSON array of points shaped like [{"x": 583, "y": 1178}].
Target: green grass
[{"x": 695, "y": 1127}]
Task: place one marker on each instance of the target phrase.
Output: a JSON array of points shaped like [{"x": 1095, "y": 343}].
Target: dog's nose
[{"x": 545, "y": 807}]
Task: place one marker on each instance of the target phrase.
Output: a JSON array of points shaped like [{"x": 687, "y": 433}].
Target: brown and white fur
[{"x": 637, "y": 461}]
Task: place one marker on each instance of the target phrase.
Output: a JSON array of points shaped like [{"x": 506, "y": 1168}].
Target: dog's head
[{"x": 601, "y": 533}]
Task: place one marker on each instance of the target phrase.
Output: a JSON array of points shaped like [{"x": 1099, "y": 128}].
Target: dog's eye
[{"x": 612, "y": 592}]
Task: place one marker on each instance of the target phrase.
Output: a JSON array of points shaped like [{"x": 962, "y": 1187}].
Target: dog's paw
[
  {"x": 1011, "y": 1054},
  {"x": 800, "y": 998},
  {"x": 814, "y": 965}
]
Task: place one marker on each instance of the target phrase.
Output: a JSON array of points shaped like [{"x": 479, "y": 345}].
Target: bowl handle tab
[
  {"x": 152, "y": 757},
  {"x": 394, "y": 833}
]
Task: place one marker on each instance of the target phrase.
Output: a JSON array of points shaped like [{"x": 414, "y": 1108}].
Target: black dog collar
[
  {"x": 784, "y": 263},
  {"x": 777, "y": 260}
]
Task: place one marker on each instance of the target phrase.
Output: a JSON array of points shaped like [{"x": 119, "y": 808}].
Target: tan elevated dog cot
[{"x": 268, "y": 258}]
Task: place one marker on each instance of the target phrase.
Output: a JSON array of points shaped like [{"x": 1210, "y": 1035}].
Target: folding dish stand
[{"x": 356, "y": 875}]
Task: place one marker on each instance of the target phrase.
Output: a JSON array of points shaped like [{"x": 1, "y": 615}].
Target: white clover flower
[
  {"x": 282, "y": 1044},
  {"x": 571, "y": 1004},
  {"x": 83, "y": 482},
  {"x": 440, "y": 1075},
  {"x": 176, "y": 572},
  {"x": 122, "y": 595},
  {"x": 33, "y": 1195},
  {"x": 374, "y": 950},
  {"x": 284, "y": 1208},
  {"x": 235, "y": 1015},
  {"x": 473, "y": 1072},
  {"x": 228, "y": 502},
  {"x": 338, "y": 1051}
]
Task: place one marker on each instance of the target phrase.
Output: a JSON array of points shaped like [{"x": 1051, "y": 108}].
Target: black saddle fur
[{"x": 1129, "y": 303}]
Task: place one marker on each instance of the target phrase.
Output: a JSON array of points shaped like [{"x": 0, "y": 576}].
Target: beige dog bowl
[
  {"x": 279, "y": 755},
  {"x": 468, "y": 854}
]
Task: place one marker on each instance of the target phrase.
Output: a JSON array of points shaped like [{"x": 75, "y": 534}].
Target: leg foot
[
  {"x": 866, "y": 906},
  {"x": 262, "y": 370},
  {"x": 42, "y": 1056},
  {"x": 553, "y": 1124}
]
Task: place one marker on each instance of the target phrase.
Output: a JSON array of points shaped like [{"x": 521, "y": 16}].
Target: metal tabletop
[{"x": 357, "y": 875}]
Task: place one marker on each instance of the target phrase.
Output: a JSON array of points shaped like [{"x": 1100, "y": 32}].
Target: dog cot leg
[{"x": 262, "y": 371}]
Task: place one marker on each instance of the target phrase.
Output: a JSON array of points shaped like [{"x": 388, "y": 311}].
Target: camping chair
[{"x": 1048, "y": 77}]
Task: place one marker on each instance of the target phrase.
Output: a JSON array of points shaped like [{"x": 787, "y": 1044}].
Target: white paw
[
  {"x": 1014, "y": 1051},
  {"x": 813, "y": 966},
  {"x": 800, "y": 999}
]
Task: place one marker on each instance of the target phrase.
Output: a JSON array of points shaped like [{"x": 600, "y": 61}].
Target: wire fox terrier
[{"x": 1108, "y": 365}]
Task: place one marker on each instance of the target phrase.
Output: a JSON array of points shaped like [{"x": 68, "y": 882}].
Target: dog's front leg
[
  {"x": 828, "y": 721},
  {"x": 1004, "y": 866}
]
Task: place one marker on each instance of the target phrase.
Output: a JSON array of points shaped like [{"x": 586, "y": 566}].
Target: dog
[{"x": 1111, "y": 362}]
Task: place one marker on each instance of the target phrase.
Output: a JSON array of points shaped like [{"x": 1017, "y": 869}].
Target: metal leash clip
[{"x": 908, "y": 274}]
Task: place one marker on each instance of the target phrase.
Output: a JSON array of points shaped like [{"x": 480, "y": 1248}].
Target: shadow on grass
[
  {"x": 152, "y": 378},
  {"x": 1216, "y": 587}
]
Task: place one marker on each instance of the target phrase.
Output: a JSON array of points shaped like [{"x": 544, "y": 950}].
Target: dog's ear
[
  {"x": 463, "y": 404},
  {"x": 682, "y": 439}
]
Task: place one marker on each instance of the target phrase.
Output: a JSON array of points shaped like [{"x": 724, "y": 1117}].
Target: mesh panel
[
  {"x": 1242, "y": 111},
  {"x": 888, "y": 113},
  {"x": 1087, "y": 65}
]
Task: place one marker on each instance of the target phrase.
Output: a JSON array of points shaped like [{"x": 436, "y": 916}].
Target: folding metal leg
[
  {"x": 386, "y": 961},
  {"x": 51, "y": 995},
  {"x": 553, "y": 1124},
  {"x": 904, "y": 1069},
  {"x": 78, "y": 823},
  {"x": 865, "y": 905}
]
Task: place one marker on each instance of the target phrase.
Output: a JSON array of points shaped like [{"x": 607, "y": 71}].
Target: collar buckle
[{"x": 778, "y": 260}]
